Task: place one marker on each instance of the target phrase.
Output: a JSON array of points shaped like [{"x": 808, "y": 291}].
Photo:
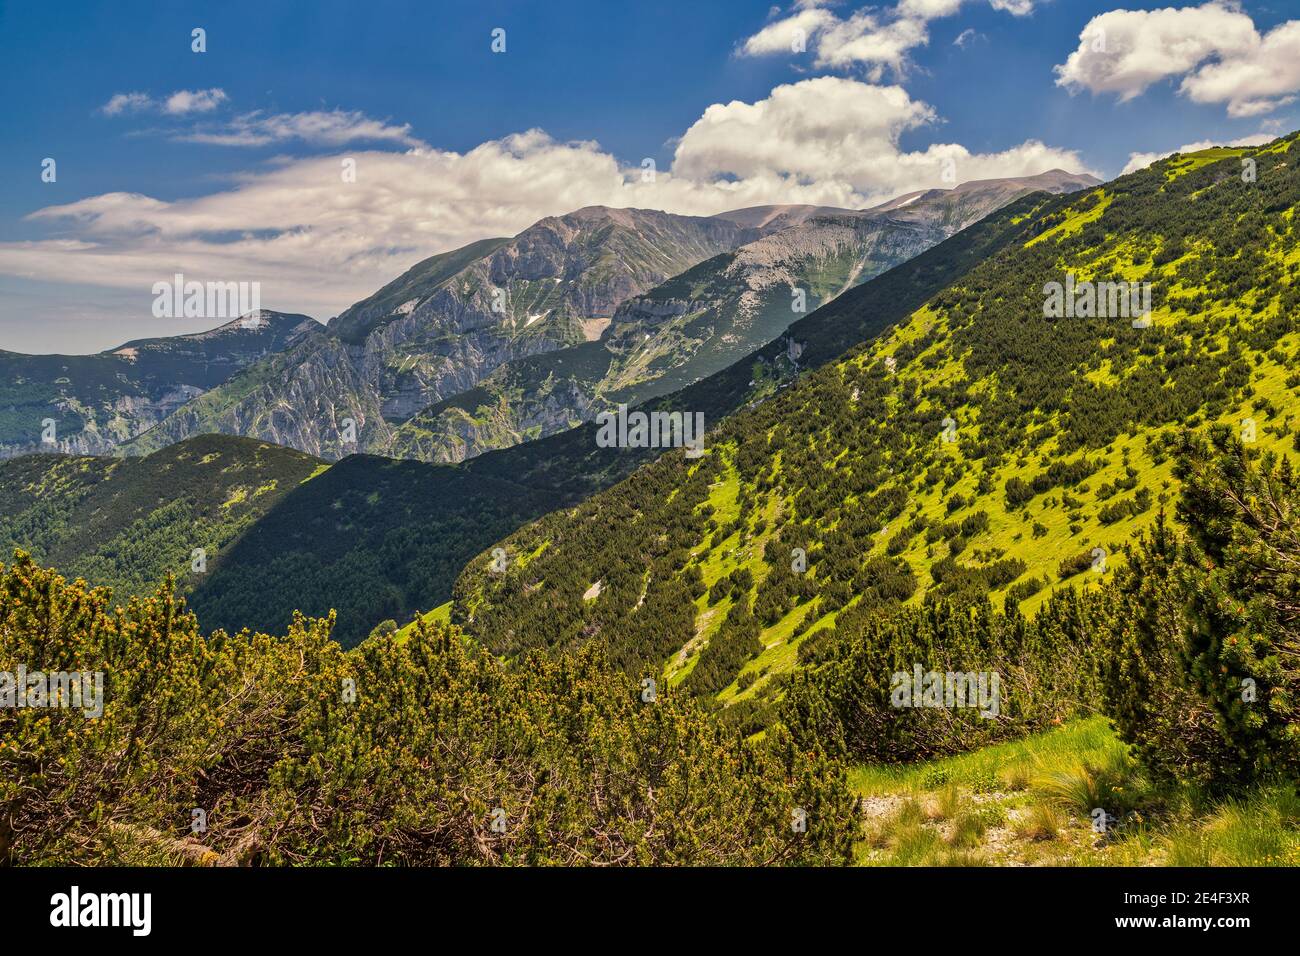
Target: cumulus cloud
[
  {"x": 1215, "y": 48},
  {"x": 317, "y": 243},
  {"x": 788, "y": 35},
  {"x": 874, "y": 39},
  {"x": 1138, "y": 161},
  {"x": 1259, "y": 82},
  {"x": 835, "y": 140},
  {"x": 820, "y": 130}
]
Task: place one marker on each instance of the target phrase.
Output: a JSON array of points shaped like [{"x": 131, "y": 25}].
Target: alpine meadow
[{"x": 812, "y": 436}]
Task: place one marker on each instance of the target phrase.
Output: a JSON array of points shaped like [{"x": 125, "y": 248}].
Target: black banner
[{"x": 144, "y": 906}]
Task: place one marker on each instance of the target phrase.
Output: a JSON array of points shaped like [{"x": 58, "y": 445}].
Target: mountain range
[
  {"x": 99, "y": 402},
  {"x": 375, "y": 538},
  {"x": 499, "y": 342},
  {"x": 829, "y": 450}
]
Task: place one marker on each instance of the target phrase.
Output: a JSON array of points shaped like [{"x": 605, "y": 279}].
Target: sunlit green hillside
[{"x": 979, "y": 449}]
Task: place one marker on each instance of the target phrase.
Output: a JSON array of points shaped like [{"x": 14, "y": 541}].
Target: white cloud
[
  {"x": 1215, "y": 48},
  {"x": 1138, "y": 161},
  {"x": 179, "y": 103},
  {"x": 193, "y": 101},
  {"x": 876, "y": 39},
  {"x": 317, "y": 243},
  {"x": 327, "y": 128},
  {"x": 322, "y": 128},
  {"x": 835, "y": 140},
  {"x": 824, "y": 130},
  {"x": 786, "y": 36},
  {"x": 870, "y": 40},
  {"x": 928, "y": 9},
  {"x": 120, "y": 103},
  {"x": 1259, "y": 82}
]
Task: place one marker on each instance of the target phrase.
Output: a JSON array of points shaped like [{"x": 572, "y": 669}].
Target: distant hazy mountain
[{"x": 98, "y": 401}]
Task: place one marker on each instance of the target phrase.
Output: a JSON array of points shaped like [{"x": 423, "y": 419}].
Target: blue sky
[{"x": 222, "y": 164}]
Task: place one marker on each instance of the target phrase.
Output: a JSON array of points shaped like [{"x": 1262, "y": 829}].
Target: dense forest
[{"x": 125, "y": 523}]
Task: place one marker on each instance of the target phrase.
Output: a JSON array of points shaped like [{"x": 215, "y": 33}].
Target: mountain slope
[
  {"x": 376, "y": 539},
  {"x": 371, "y": 538},
  {"x": 99, "y": 401},
  {"x": 126, "y": 523},
  {"x": 440, "y": 328},
  {"x": 979, "y": 449},
  {"x": 702, "y": 320}
]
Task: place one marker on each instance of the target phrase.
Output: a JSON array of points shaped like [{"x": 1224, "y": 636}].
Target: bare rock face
[
  {"x": 308, "y": 397},
  {"x": 703, "y": 319},
  {"x": 442, "y": 327}
]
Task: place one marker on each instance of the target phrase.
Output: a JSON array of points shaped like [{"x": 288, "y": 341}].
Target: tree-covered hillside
[
  {"x": 125, "y": 523},
  {"x": 979, "y": 450},
  {"x": 560, "y": 758},
  {"x": 371, "y": 539}
]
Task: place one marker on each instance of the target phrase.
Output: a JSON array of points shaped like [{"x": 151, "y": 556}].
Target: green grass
[
  {"x": 1192, "y": 161},
  {"x": 1057, "y": 750},
  {"x": 1030, "y": 801},
  {"x": 439, "y": 615},
  {"x": 1076, "y": 220}
]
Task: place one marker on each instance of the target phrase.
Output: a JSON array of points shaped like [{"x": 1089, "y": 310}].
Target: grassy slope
[
  {"x": 1030, "y": 802},
  {"x": 1069, "y": 530}
]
